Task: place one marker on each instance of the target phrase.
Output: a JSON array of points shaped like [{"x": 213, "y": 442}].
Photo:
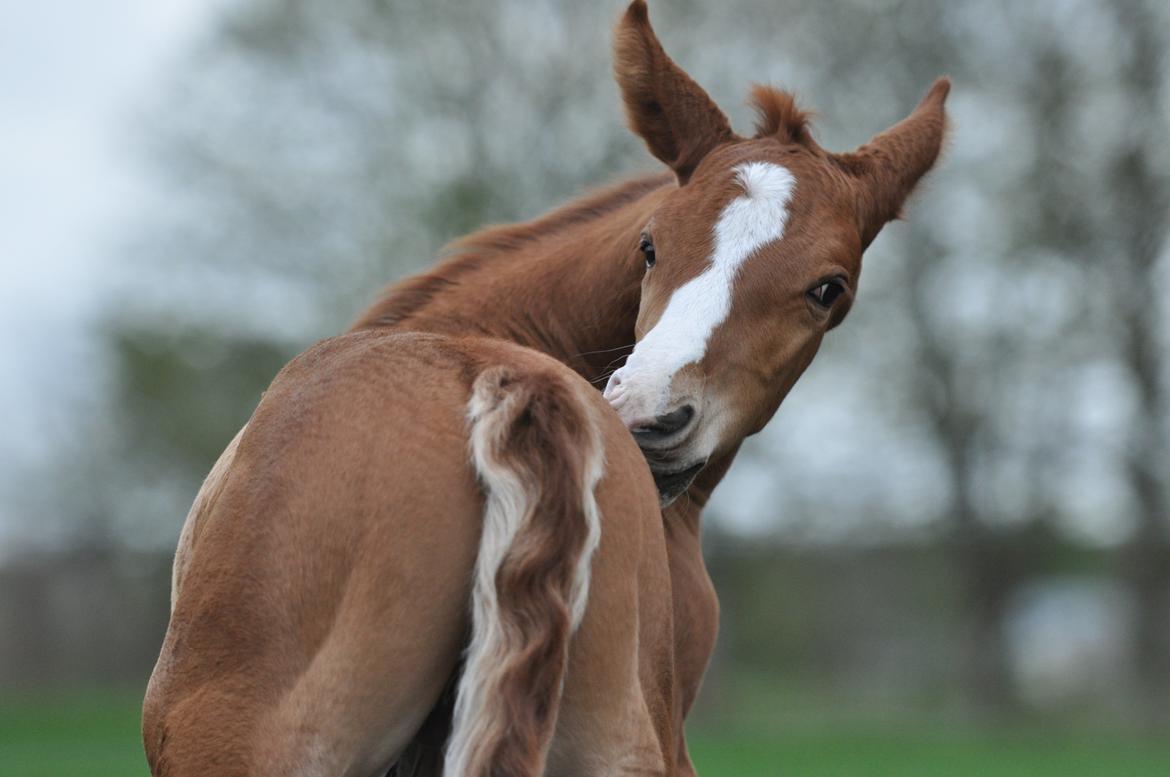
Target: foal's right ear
[{"x": 672, "y": 113}]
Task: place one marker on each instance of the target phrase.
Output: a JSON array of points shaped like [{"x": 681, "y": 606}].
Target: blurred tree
[
  {"x": 311, "y": 152},
  {"x": 1133, "y": 239},
  {"x": 315, "y": 153}
]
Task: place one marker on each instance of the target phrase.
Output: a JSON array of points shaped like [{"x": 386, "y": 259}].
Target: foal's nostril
[
  {"x": 675, "y": 420},
  {"x": 669, "y": 423},
  {"x": 611, "y": 386}
]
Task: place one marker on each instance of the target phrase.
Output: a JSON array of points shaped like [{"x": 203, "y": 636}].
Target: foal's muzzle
[{"x": 664, "y": 433}]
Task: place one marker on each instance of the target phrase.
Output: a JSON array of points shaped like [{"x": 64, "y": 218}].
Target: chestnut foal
[{"x": 443, "y": 484}]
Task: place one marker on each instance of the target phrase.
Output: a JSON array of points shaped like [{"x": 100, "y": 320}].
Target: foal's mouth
[{"x": 672, "y": 483}]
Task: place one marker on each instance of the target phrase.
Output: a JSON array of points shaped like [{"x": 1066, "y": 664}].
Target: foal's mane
[{"x": 464, "y": 255}]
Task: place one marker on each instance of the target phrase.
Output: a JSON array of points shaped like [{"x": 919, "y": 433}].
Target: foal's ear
[
  {"x": 888, "y": 167},
  {"x": 672, "y": 113}
]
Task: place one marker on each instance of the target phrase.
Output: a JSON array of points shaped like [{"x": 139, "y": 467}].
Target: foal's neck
[{"x": 567, "y": 284}]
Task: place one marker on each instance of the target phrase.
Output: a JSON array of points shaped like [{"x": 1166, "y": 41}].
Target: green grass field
[
  {"x": 95, "y": 734},
  {"x": 861, "y": 754}
]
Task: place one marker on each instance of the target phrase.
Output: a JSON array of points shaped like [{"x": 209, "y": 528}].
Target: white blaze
[{"x": 699, "y": 306}]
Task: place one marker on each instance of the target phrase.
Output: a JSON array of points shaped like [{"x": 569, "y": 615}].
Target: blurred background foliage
[{"x": 950, "y": 551}]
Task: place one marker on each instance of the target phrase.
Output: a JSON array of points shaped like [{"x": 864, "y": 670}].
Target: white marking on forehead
[{"x": 698, "y": 307}]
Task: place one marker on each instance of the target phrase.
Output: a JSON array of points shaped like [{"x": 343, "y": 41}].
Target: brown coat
[{"x": 446, "y": 480}]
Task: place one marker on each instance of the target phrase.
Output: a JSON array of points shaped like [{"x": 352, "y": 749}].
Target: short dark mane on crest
[
  {"x": 777, "y": 115},
  {"x": 467, "y": 254},
  {"x": 594, "y": 203}
]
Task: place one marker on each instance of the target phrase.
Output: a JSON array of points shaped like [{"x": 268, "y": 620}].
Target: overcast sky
[{"x": 72, "y": 76}]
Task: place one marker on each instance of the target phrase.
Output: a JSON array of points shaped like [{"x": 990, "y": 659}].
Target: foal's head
[{"x": 750, "y": 260}]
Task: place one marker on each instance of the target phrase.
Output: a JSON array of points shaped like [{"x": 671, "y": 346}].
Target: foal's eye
[
  {"x": 647, "y": 249},
  {"x": 827, "y": 293}
]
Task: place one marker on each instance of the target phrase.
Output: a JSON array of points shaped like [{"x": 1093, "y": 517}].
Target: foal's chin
[
  {"x": 673, "y": 483},
  {"x": 674, "y": 467}
]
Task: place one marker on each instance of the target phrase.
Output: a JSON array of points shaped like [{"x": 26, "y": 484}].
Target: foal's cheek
[
  {"x": 756, "y": 393},
  {"x": 793, "y": 366},
  {"x": 762, "y": 408},
  {"x": 741, "y": 399}
]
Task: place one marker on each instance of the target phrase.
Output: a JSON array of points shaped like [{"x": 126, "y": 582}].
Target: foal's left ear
[
  {"x": 888, "y": 167},
  {"x": 677, "y": 119}
]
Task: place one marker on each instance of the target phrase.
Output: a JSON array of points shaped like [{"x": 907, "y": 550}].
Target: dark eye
[
  {"x": 826, "y": 293},
  {"x": 647, "y": 249}
]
